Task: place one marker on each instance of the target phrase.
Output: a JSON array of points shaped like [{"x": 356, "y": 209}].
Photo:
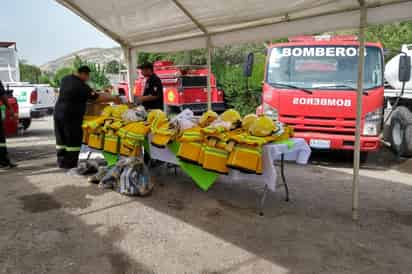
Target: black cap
[
  {"x": 146, "y": 65},
  {"x": 84, "y": 69}
]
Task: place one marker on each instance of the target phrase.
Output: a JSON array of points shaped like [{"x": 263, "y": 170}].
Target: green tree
[
  {"x": 78, "y": 62},
  {"x": 60, "y": 74},
  {"x": 392, "y": 36},
  {"x": 113, "y": 67},
  {"x": 29, "y": 73},
  {"x": 241, "y": 93},
  {"x": 45, "y": 79},
  {"x": 98, "y": 79}
]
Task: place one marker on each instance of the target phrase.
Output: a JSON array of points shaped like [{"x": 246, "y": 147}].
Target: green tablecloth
[{"x": 203, "y": 178}]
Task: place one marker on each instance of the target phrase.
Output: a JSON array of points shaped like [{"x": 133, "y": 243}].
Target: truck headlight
[
  {"x": 270, "y": 111},
  {"x": 373, "y": 123}
]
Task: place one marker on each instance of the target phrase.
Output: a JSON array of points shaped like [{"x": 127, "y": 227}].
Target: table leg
[
  {"x": 262, "y": 200},
  {"x": 282, "y": 173}
]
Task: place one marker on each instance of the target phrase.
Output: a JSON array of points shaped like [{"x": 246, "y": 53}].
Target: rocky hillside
[{"x": 94, "y": 55}]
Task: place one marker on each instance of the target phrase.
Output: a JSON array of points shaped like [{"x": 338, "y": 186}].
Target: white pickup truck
[{"x": 35, "y": 101}]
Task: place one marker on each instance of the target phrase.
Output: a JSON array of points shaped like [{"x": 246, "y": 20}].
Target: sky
[{"x": 45, "y": 30}]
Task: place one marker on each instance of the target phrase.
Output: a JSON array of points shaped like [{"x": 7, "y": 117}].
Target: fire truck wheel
[
  {"x": 364, "y": 157},
  {"x": 401, "y": 132}
]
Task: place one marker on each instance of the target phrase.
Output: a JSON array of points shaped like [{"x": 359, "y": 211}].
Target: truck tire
[
  {"x": 25, "y": 123},
  {"x": 364, "y": 155},
  {"x": 401, "y": 132}
]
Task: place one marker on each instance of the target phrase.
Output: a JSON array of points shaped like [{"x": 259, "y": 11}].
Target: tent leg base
[
  {"x": 282, "y": 173},
  {"x": 262, "y": 201}
]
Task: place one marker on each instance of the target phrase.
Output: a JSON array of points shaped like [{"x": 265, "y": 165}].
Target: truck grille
[{"x": 320, "y": 124}]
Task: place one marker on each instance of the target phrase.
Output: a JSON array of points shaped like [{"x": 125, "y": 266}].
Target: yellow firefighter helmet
[
  {"x": 262, "y": 127},
  {"x": 248, "y": 120},
  {"x": 231, "y": 116},
  {"x": 207, "y": 118}
]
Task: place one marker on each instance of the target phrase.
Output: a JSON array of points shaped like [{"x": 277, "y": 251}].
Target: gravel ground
[{"x": 55, "y": 223}]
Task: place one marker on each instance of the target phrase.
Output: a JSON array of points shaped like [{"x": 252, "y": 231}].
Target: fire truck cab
[{"x": 311, "y": 84}]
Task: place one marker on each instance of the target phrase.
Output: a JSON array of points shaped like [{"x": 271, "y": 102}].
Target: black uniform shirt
[
  {"x": 2, "y": 90},
  {"x": 73, "y": 96},
  {"x": 153, "y": 87}
]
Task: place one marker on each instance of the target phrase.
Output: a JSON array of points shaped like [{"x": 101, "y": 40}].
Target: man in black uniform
[
  {"x": 153, "y": 92},
  {"x": 4, "y": 158},
  {"x": 68, "y": 115},
  {"x": 152, "y": 96}
]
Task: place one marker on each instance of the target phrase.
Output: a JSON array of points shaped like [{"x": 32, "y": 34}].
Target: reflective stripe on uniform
[
  {"x": 111, "y": 137},
  {"x": 72, "y": 149},
  {"x": 256, "y": 151},
  {"x": 216, "y": 152},
  {"x": 135, "y": 135},
  {"x": 60, "y": 147},
  {"x": 2, "y": 144}
]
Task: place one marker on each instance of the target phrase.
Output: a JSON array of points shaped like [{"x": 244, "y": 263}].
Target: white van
[{"x": 35, "y": 101}]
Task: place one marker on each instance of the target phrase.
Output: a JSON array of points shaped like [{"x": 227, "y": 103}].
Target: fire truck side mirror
[
  {"x": 248, "y": 65},
  {"x": 404, "y": 68}
]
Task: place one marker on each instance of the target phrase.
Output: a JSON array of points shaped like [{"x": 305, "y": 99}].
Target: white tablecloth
[{"x": 299, "y": 153}]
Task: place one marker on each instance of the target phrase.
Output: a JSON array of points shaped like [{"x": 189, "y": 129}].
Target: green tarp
[
  {"x": 110, "y": 158},
  {"x": 203, "y": 178}
]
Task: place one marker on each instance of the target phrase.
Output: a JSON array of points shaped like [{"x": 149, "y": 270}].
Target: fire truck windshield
[
  {"x": 194, "y": 81},
  {"x": 323, "y": 67}
]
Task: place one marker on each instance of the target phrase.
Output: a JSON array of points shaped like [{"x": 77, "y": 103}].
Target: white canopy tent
[{"x": 174, "y": 25}]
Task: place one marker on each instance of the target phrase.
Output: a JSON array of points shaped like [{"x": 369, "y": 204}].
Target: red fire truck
[
  {"x": 311, "y": 84},
  {"x": 184, "y": 87}
]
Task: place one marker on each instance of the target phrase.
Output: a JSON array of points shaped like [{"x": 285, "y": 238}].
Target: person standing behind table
[
  {"x": 4, "y": 157},
  {"x": 68, "y": 115},
  {"x": 153, "y": 91},
  {"x": 152, "y": 95}
]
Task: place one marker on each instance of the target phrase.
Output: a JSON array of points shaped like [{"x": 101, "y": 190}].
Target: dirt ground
[{"x": 54, "y": 223}]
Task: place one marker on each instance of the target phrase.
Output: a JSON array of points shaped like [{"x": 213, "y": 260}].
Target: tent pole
[
  {"x": 209, "y": 73},
  {"x": 131, "y": 62},
  {"x": 356, "y": 157}
]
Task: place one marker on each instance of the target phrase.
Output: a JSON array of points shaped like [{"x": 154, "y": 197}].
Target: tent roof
[{"x": 171, "y": 25}]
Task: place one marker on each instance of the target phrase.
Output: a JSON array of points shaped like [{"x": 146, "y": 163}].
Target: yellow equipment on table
[
  {"x": 131, "y": 138},
  {"x": 215, "y": 159},
  {"x": 190, "y": 145},
  {"x": 93, "y": 131},
  {"x": 246, "y": 158}
]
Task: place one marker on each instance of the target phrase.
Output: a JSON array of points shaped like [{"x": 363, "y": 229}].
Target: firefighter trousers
[
  {"x": 69, "y": 136},
  {"x": 4, "y": 158}
]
